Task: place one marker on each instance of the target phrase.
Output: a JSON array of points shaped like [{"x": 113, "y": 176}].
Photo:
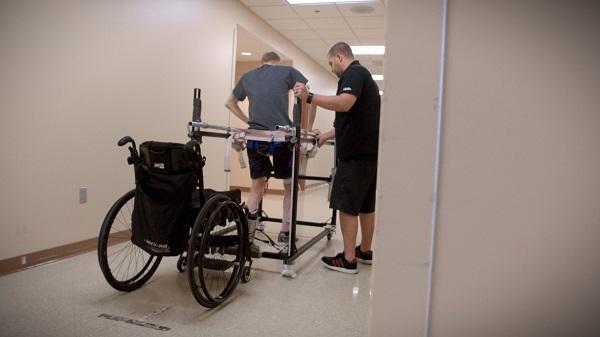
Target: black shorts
[
  {"x": 259, "y": 154},
  {"x": 353, "y": 190}
]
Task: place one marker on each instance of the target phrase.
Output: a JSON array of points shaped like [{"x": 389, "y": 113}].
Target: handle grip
[{"x": 125, "y": 140}]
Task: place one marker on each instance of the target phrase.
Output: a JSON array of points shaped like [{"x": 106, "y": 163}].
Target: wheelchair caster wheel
[
  {"x": 181, "y": 264},
  {"x": 329, "y": 235},
  {"x": 246, "y": 277}
]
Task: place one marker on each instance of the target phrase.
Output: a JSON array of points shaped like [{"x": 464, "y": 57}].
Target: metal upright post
[
  {"x": 196, "y": 137},
  {"x": 295, "y": 173},
  {"x": 287, "y": 269},
  {"x": 196, "y": 115},
  {"x": 333, "y": 210}
]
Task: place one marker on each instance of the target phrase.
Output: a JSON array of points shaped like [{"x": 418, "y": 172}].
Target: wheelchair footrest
[
  {"x": 214, "y": 264},
  {"x": 223, "y": 240},
  {"x": 255, "y": 252}
]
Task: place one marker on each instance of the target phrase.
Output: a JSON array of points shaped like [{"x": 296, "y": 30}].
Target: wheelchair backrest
[{"x": 167, "y": 158}]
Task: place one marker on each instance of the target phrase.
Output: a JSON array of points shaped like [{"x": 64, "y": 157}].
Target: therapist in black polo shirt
[{"x": 356, "y": 130}]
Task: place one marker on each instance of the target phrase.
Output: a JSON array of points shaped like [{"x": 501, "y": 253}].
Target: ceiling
[{"x": 315, "y": 28}]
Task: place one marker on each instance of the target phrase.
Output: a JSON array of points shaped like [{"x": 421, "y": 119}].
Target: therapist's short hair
[{"x": 341, "y": 48}]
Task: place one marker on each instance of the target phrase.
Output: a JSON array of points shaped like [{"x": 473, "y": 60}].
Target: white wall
[
  {"x": 405, "y": 177},
  {"x": 78, "y": 75},
  {"x": 516, "y": 249}
]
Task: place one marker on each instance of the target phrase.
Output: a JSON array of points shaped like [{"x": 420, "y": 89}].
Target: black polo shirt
[{"x": 357, "y": 130}]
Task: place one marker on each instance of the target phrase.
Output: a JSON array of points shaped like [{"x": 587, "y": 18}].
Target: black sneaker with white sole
[
  {"x": 339, "y": 263},
  {"x": 364, "y": 257}
]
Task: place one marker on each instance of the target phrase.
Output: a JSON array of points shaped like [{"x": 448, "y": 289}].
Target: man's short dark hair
[
  {"x": 270, "y": 56},
  {"x": 341, "y": 48}
]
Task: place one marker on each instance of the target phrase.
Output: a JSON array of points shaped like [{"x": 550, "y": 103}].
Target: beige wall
[
  {"x": 516, "y": 249},
  {"x": 78, "y": 75},
  {"x": 405, "y": 177}
]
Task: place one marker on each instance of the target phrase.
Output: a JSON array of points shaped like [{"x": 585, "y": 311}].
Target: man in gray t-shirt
[{"x": 267, "y": 88}]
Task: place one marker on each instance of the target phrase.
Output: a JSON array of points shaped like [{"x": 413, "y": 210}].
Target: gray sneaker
[
  {"x": 284, "y": 237},
  {"x": 252, "y": 224}
]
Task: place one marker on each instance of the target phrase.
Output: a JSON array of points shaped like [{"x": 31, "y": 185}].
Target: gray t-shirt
[{"x": 267, "y": 89}]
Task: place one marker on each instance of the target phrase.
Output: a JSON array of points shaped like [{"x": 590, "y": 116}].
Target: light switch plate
[{"x": 82, "y": 195}]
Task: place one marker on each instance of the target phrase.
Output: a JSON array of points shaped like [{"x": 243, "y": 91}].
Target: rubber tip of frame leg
[{"x": 288, "y": 271}]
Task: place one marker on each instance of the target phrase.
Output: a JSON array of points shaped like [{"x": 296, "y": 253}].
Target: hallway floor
[{"x": 71, "y": 298}]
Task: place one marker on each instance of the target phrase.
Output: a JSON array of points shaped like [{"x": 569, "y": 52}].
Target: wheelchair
[{"x": 169, "y": 213}]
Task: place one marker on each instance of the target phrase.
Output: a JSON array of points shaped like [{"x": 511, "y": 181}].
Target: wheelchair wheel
[
  {"x": 215, "y": 257},
  {"x": 125, "y": 266},
  {"x": 181, "y": 263},
  {"x": 246, "y": 276}
]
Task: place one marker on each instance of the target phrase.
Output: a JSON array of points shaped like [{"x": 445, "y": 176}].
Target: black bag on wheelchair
[{"x": 165, "y": 180}]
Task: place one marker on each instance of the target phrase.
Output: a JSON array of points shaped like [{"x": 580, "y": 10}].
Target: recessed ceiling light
[
  {"x": 313, "y": 2},
  {"x": 368, "y": 50},
  {"x": 377, "y": 77},
  {"x": 245, "y": 53}
]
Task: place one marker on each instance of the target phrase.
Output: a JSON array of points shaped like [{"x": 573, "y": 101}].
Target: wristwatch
[{"x": 309, "y": 98}]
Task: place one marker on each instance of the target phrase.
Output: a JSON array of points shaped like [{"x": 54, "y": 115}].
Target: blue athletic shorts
[{"x": 259, "y": 157}]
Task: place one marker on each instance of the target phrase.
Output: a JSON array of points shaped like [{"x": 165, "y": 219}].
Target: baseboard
[
  {"x": 275, "y": 191},
  {"x": 247, "y": 189},
  {"x": 22, "y": 262}
]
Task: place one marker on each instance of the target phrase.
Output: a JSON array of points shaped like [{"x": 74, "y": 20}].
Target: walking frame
[
  {"x": 170, "y": 213},
  {"x": 296, "y": 136}
]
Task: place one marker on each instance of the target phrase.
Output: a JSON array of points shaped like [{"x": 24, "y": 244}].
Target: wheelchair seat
[{"x": 196, "y": 203}]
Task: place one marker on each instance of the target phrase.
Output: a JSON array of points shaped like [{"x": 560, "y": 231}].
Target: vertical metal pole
[
  {"x": 197, "y": 136},
  {"x": 196, "y": 115},
  {"x": 295, "y": 171},
  {"x": 333, "y": 210}
]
